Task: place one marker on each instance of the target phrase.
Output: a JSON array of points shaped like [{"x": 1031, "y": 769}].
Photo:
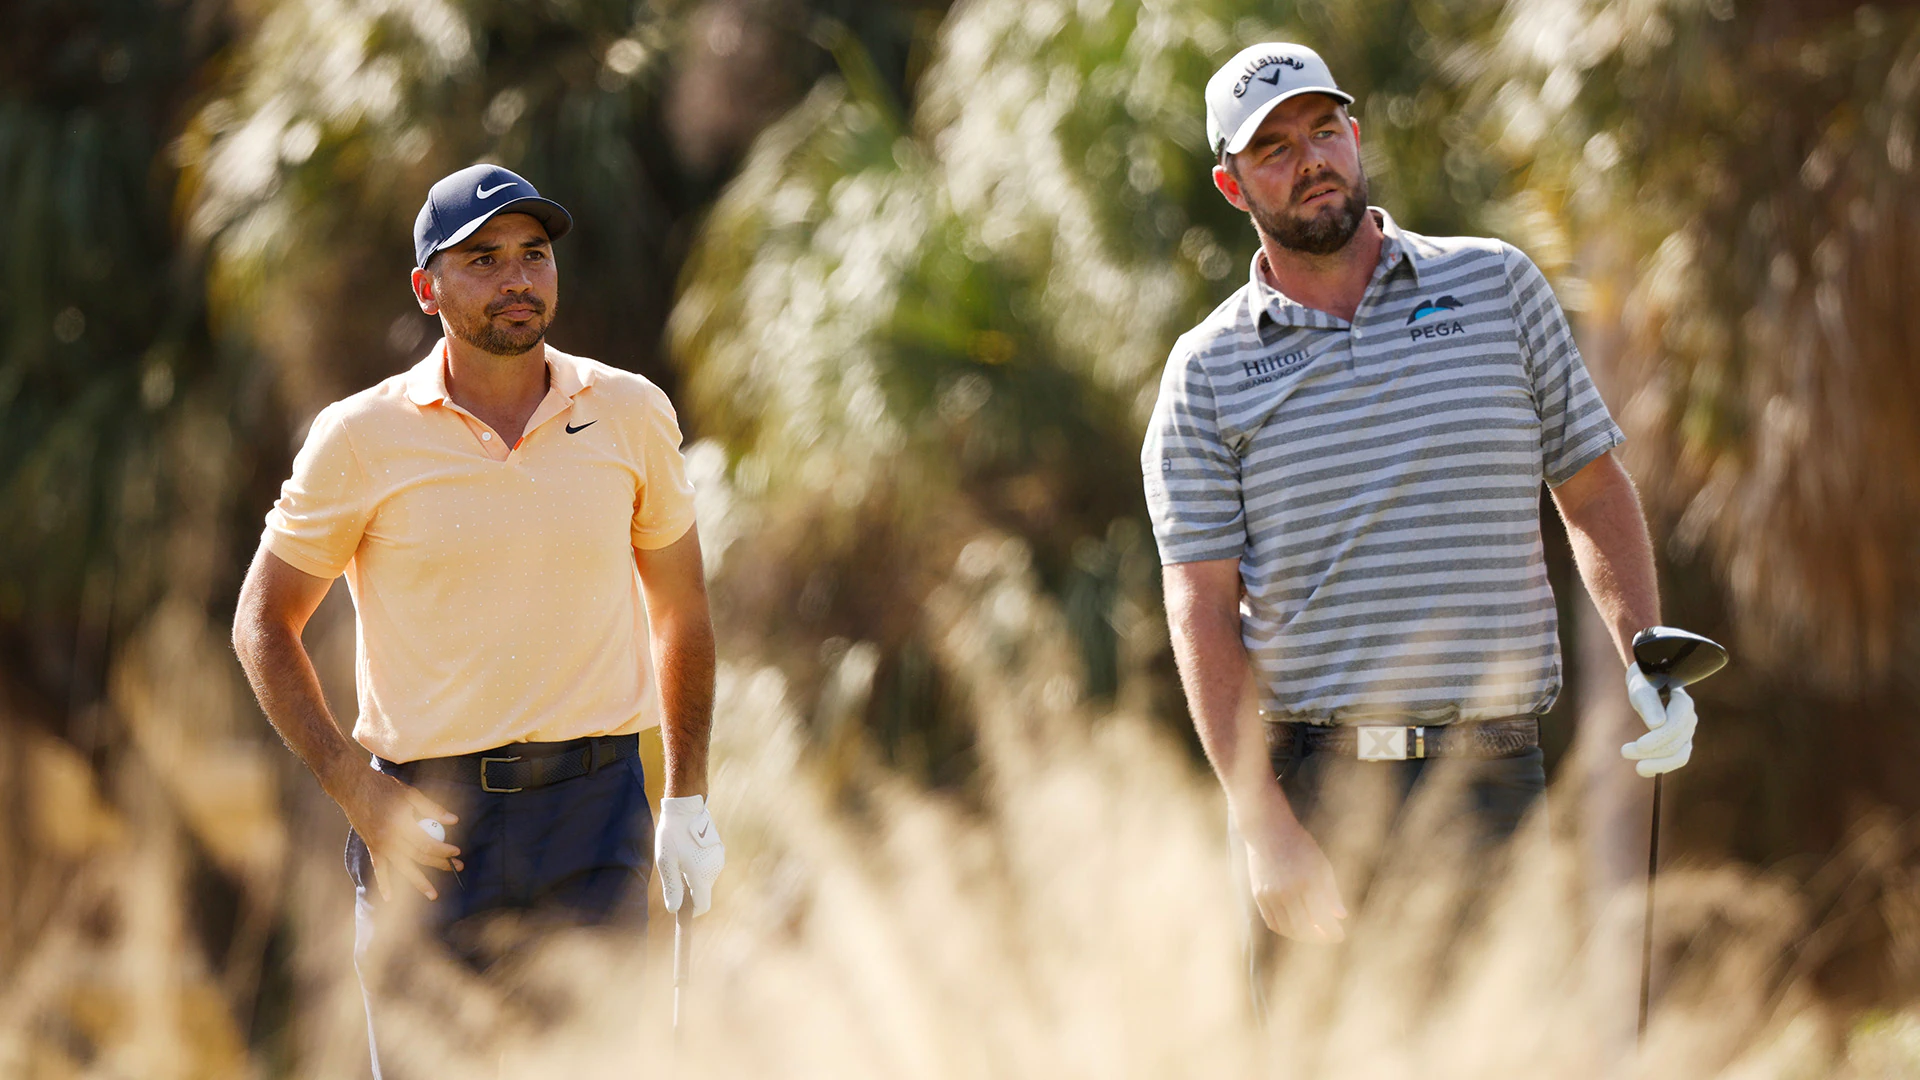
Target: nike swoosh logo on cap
[{"x": 488, "y": 192}]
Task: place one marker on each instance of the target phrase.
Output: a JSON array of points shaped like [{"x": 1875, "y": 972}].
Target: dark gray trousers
[{"x": 1474, "y": 805}]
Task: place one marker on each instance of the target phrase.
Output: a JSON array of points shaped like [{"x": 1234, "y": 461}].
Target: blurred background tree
[
  {"x": 1735, "y": 183},
  {"x": 108, "y": 347},
  {"x": 911, "y": 276}
]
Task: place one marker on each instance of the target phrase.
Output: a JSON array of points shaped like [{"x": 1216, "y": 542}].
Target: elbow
[
  {"x": 252, "y": 632},
  {"x": 243, "y": 629},
  {"x": 1200, "y": 614},
  {"x": 1601, "y": 487},
  {"x": 246, "y": 636},
  {"x": 684, "y": 630}
]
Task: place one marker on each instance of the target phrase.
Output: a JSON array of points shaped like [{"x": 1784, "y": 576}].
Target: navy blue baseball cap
[{"x": 462, "y": 202}]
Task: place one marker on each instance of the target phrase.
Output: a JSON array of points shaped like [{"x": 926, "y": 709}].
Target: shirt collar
[
  {"x": 568, "y": 373},
  {"x": 427, "y": 380},
  {"x": 1396, "y": 250},
  {"x": 1268, "y": 303}
]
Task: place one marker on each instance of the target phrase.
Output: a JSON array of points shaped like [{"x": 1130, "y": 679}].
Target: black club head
[{"x": 1671, "y": 657}]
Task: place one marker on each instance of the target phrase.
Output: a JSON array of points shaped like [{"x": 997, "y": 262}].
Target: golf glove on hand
[
  {"x": 1669, "y": 741},
  {"x": 687, "y": 844}
]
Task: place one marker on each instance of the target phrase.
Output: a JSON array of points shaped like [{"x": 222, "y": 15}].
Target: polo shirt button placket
[{"x": 1368, "y": 372}]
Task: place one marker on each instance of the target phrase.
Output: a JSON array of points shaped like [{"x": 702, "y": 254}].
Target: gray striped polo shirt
[{"x": 1379, "y": 480}]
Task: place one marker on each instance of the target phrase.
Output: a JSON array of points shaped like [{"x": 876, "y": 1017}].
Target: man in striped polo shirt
[{"x": 1343, "y": 470}]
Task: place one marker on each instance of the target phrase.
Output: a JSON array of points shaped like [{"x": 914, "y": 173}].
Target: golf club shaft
[
  {"x": 1646, "y": 926},
  {"x": 1669, "y": 658},
  {"x": 682, "y": 953}
]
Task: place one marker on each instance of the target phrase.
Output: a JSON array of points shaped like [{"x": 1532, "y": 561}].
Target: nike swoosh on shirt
[
  {"x": 571, "y": 430},
  {"x": 488, "y": 192}
]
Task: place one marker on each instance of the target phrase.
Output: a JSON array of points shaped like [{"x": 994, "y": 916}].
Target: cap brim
[
  {"x": 1252, "y": 123},
  {"x": 547, "y": 212}
]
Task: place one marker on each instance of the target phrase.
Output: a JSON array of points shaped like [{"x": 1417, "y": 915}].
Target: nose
[
  {"x": 1314, "y": 160},
  {"x": 1314, "y": 169}
]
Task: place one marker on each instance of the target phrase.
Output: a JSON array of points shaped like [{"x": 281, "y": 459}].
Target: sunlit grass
[{"x": 1070, "y": 914}]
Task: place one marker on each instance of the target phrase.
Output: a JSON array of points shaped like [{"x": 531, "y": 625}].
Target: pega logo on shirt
[
  {"x": 1260, "y": 65},
  {"x": 1432, "y": 307},
  {"x": 1436, "y": 329}
]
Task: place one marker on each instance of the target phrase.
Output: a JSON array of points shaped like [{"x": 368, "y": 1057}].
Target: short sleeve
[
  {"x": 1575, "y": 427},
  {"x": 324, "y": 507},
  {"x": 663, "y": 508},
  {"x": 1191, "y": 476}
]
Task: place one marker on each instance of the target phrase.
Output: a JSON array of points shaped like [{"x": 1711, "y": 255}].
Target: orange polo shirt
[{"x": 495, "y": 588}]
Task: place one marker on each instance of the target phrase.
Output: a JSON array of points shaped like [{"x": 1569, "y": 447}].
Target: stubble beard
[
  {"x": 498, "y": 339},
  {"x": 1323, "y": 230}
]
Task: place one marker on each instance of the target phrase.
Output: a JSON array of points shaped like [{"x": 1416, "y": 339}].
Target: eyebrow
[
  {"x": 1331, "y": 116},
  {"x": 486, "y": 249}
]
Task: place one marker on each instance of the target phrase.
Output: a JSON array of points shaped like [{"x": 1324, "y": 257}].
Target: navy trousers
[{"x": 573, "y": 854}]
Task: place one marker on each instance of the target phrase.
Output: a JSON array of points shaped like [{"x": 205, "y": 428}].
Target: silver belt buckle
[{"x": 1378, "y": 742}]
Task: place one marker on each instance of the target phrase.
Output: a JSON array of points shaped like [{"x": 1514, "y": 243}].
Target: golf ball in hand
[{"x": 434, "y": 829}]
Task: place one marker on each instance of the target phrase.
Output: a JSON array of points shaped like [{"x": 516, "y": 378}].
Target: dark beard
[
  {"x": 485, "y": 335},
  {"x": 1321, "y": 234}
]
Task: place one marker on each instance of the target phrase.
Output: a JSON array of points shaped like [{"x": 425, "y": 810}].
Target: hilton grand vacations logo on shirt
[{"x": 1268, "y": 369}]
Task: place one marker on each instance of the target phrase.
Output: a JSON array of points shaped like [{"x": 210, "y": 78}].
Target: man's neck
[
  {"x": 1333, "y": 283},
  {"x": 503, "y": 391}
]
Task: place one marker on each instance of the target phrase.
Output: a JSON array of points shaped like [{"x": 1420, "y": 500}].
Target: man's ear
[
  {"x": 423, "y": 291},
  {"x": 1229, "y": 187}
]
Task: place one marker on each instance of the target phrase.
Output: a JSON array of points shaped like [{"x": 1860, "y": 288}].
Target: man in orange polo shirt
[{"x": 516, "y": 528}]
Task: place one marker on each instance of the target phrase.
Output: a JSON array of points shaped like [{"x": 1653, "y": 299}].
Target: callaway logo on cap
[
  {"x": 1247, "y": 87},
  {"x": 462, "y": 202}
]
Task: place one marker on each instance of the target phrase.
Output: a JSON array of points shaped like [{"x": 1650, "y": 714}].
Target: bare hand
[
  {"x": 1293, "y": 884},
  {"x": 387, "y": 815}
]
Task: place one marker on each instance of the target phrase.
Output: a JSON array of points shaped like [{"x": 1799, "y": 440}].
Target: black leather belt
[
  {"x": 519, "y": 766},
  {"x": 1397, "y": 741}
]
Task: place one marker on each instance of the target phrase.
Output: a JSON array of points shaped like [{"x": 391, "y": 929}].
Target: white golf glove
[
  {"x": 687, "y": 845},
  {"x": 1668, "y": 742}
]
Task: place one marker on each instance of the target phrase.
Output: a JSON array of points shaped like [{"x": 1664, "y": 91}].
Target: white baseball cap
[{"x": 1259, "y": 77}]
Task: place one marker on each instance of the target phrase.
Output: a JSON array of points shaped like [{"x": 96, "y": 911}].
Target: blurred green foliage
[
  {"x": 910, "y": 329},
  {"x": 105, "y": 347},
  {"x": 934, "y": 301}
]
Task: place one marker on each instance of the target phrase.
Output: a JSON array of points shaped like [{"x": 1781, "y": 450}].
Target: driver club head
[{"x": 1671, "y": 657}]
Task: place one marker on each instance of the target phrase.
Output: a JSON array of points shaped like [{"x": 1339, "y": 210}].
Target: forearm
[
  {"x": 1614, "y": 553},
  {"x": 288, "y": 688},
  {"x": 1218, "y": 682},
  {"x": 1622, "y": 583},
  {"x": 684, "y": 666}
]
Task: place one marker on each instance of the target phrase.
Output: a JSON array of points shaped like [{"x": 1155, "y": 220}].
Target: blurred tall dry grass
[{"x": 1073, "y": 918}]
